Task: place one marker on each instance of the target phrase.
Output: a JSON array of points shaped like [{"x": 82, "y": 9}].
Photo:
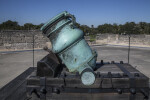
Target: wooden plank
[
  {"x": 109, "y": 68},
  {"x": 16, "y": 89},
  {"x": 92, "y": 96},
  {"x": 111, "y": 78}
]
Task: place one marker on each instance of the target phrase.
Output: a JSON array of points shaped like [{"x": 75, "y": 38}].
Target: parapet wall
[
  {"x": 16, "y": 40},
  {"x": 114, "y": 39}
]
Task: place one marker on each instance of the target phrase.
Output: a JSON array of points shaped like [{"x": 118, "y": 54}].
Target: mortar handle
[
  {"x": 72, "y": 17},
  {"x": 58, "y": 18}
]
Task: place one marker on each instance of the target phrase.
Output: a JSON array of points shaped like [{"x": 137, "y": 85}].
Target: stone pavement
[{"x": 13, "y": 64}]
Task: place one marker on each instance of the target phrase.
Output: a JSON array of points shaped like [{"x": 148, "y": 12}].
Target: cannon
[
  {"x": 70, "y": 70},
  {"x": 69, "y": 45}
]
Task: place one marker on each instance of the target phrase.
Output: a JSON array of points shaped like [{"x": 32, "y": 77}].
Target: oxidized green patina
[{"x": 69, "y": 44}]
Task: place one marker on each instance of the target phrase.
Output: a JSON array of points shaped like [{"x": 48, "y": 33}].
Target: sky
[{"x": 87, "y": 12}]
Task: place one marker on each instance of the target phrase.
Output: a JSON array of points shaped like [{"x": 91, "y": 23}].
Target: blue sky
[{"x": 87, "y": 12}]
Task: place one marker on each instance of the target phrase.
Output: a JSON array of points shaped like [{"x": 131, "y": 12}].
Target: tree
[
  {"x": 105, "y": 28},
  {"x": 128, "y": 27},
  {"x": 115, "y": 28},
  {"x": 29, "y": 26},
  {"x": 11, "y": 25},
  {"x": 77, "y": 25},
  {"x": 85, "y": 28},
  {"x": 39, "y": 26},
  {"x": 144, "y": 27}
]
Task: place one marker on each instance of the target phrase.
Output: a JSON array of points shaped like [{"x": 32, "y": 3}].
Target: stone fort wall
[
  {"x": 14, "y": 40},
  {"x": 115, "y": 39},
  {"x": 23, "y": 39}
]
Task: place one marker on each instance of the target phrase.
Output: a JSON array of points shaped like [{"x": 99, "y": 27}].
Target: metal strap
[
  {"x": 131, "y": 79},
  {"x": 124, "y": 70},
  {"x": 110, "y": 76},
  {"x": 94, "y": 90},
  {"x": 132, "y": 97},
  {"x": 42, "y": 88},
  {"x": 70, "y": 46}
]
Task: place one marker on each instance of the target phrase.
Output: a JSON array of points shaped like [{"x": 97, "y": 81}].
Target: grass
[{"x": 92, "y": 38}]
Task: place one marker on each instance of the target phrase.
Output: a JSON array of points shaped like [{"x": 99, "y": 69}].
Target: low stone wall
[
  {"x": 115, "y": 39},
  {"x": 23, "y": 39},
  {"x": 14, "y": 40}
]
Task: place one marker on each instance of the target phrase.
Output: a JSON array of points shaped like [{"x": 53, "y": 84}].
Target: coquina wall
[
  {"x": 135, "y": 40},
  {"x": 23, "y": 39},
  {"x": 15, "y": 40}
]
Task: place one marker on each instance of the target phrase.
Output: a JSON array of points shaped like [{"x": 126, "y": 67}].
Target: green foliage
[
  {"x": 92, "y": 38},
  {"x": 13, "y": 25},
  {"x": 29, "y": 26},
  {"x": 105, "y": 28},
  {"x": 127, "y": 28},
  {"x": 9, "y": 25},
  {"x": 85, "y": 28}
]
